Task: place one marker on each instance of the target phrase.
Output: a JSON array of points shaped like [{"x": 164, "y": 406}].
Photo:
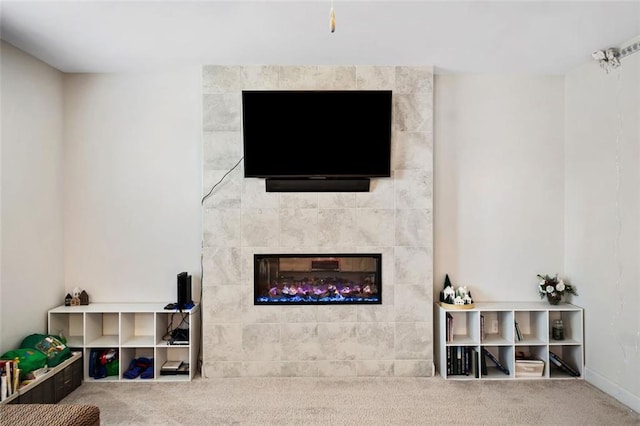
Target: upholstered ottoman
[{"x": 49, "y": 415}]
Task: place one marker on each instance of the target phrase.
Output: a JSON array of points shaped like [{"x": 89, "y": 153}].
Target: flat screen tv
[{"x": 317, "y": 133}]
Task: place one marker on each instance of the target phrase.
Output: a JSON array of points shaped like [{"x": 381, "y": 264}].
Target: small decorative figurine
[
  {"x": 67, "y": 300},
  {"x": 84, "y": 298},
  {"x": 75, "y": 296},
  {"x": 455, "y": 298},
  {"x": 447, "y": 294}
]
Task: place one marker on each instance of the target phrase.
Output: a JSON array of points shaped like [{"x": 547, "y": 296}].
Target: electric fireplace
[{"x": 317, "y": 279}]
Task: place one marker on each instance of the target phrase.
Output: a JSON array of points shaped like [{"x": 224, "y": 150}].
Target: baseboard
[{"x": 608, "y": 387}]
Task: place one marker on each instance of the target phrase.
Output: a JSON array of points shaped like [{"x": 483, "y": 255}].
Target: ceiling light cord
[{"x": 332, "y": 19}]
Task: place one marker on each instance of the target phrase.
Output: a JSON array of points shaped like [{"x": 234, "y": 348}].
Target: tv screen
[{"x": 321, "y": 133}]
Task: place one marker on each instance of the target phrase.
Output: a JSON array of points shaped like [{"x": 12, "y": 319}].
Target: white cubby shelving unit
[
  {"x": 134, "y": 330},
  {"x": 498, "y": 336}
]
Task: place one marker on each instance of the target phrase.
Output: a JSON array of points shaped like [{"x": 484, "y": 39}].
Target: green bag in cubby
[
  {"x": 113, "y": 368},
  {"x": 51, "y": 346}
]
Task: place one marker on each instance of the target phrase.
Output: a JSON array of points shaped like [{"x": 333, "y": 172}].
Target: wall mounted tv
[{"x": 317, "y": 140}]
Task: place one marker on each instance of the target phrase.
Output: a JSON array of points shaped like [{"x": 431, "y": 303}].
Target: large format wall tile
[
  {"x": 221, "y": 78},
  {"x": 375, "y": 78},
  {"x": 338, "y": 341},
  {"x": 260, "y": 77},
  {"x": 222, "y": 227},
  {"x": 412, "y": 227},
  {"x": 299, "y": 227},
  {"x": 414, "y": 189},
  {"x": 412, "y": 150},
  {"x": 223, "y": 342},
  {"x": 228, "y": 306},
  {"x": 376, "y": 340},
  {"x": 394, "y": 218},
  {"x": 225, "y": 193},
  {"x": 222, "y": 150},
  {"x": 375, "y": 227},
  {"x": 300, "y": 341},
  {"x": 222, "y": 112},
  {"x": 412, "y": 340},
  {"x": 222, "y": 266},
  {"x": 260, "y": 227}
]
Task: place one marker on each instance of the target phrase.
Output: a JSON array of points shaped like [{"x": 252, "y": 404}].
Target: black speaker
[
  {"x": 184, "y": 291},
  {"x": 318, "y": 185}
]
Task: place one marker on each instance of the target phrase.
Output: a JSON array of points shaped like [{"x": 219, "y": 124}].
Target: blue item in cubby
[
  {"x": 138, "y": 366},
  {"x": 148, "y": 372}
]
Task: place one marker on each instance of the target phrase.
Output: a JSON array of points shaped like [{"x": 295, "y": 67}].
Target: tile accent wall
[{"x": 395, "y": 218}]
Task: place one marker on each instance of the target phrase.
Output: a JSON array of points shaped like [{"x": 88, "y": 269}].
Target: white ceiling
[{"x": 549, "y": 37}]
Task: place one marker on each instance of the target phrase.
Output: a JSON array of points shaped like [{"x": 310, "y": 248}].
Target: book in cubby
[
  {"x": 500, "y": 365},
  {"x": 562, "y": 365},
  {"x": 449, "y": 329},
  {"x": 462, "y": 361}
]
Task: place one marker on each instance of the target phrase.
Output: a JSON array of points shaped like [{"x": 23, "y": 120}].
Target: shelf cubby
[
  {"x": 137, "y": 329},
  {"x": 570, "y": 354},
  {"x": 129, "y": 354},
  {"x": 504, "y": 355},
  {"x": 88, "y": 374},
  {"x": 102, "y": 329},
  {"x": 171, "y": 353},
  {"x": 71, "y": 326},
  {"x": 498, "y": 327},
  {"x": 465, "y": 329},
  {"x": 533, "y": 326},
  {"x": 572, "y": 321}
]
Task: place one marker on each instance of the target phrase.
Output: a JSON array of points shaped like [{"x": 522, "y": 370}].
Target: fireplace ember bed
[{"x": 317, "y": 279}]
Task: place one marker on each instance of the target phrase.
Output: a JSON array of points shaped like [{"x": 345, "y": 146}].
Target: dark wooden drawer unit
[{"x": 53, "y": 386}]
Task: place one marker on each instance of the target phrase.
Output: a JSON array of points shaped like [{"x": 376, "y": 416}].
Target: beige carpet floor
[{"x": 352, "y": 401}]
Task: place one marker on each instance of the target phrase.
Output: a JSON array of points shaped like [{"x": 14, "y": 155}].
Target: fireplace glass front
[{"x": 317, "y": 279}]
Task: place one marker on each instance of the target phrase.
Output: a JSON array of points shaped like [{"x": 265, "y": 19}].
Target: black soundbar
[{"x": 318, "y": 185}]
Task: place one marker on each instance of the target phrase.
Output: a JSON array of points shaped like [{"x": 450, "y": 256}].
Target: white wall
[
  {"x": 602, "y": 207},
  {"x": 133, "y": 184},
  {"x": 498, "y": 179},
  {"x": 31, "y": 189}
]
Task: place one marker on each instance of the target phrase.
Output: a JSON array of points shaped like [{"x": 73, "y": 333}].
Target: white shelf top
[
  {"x": 516, "y": 306},
  {"x": 103, "y": 341},
  {"x": 138, "y": 341},
  {"x": 119, "y": 307}
]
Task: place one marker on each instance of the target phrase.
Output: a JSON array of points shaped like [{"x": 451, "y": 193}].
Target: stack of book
[
  {"x": 171, "y": 368},
  {"x": 518, "y": 332},
  {"x": 462, "y": 361},
  {"x": 9, "y": 378}
]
